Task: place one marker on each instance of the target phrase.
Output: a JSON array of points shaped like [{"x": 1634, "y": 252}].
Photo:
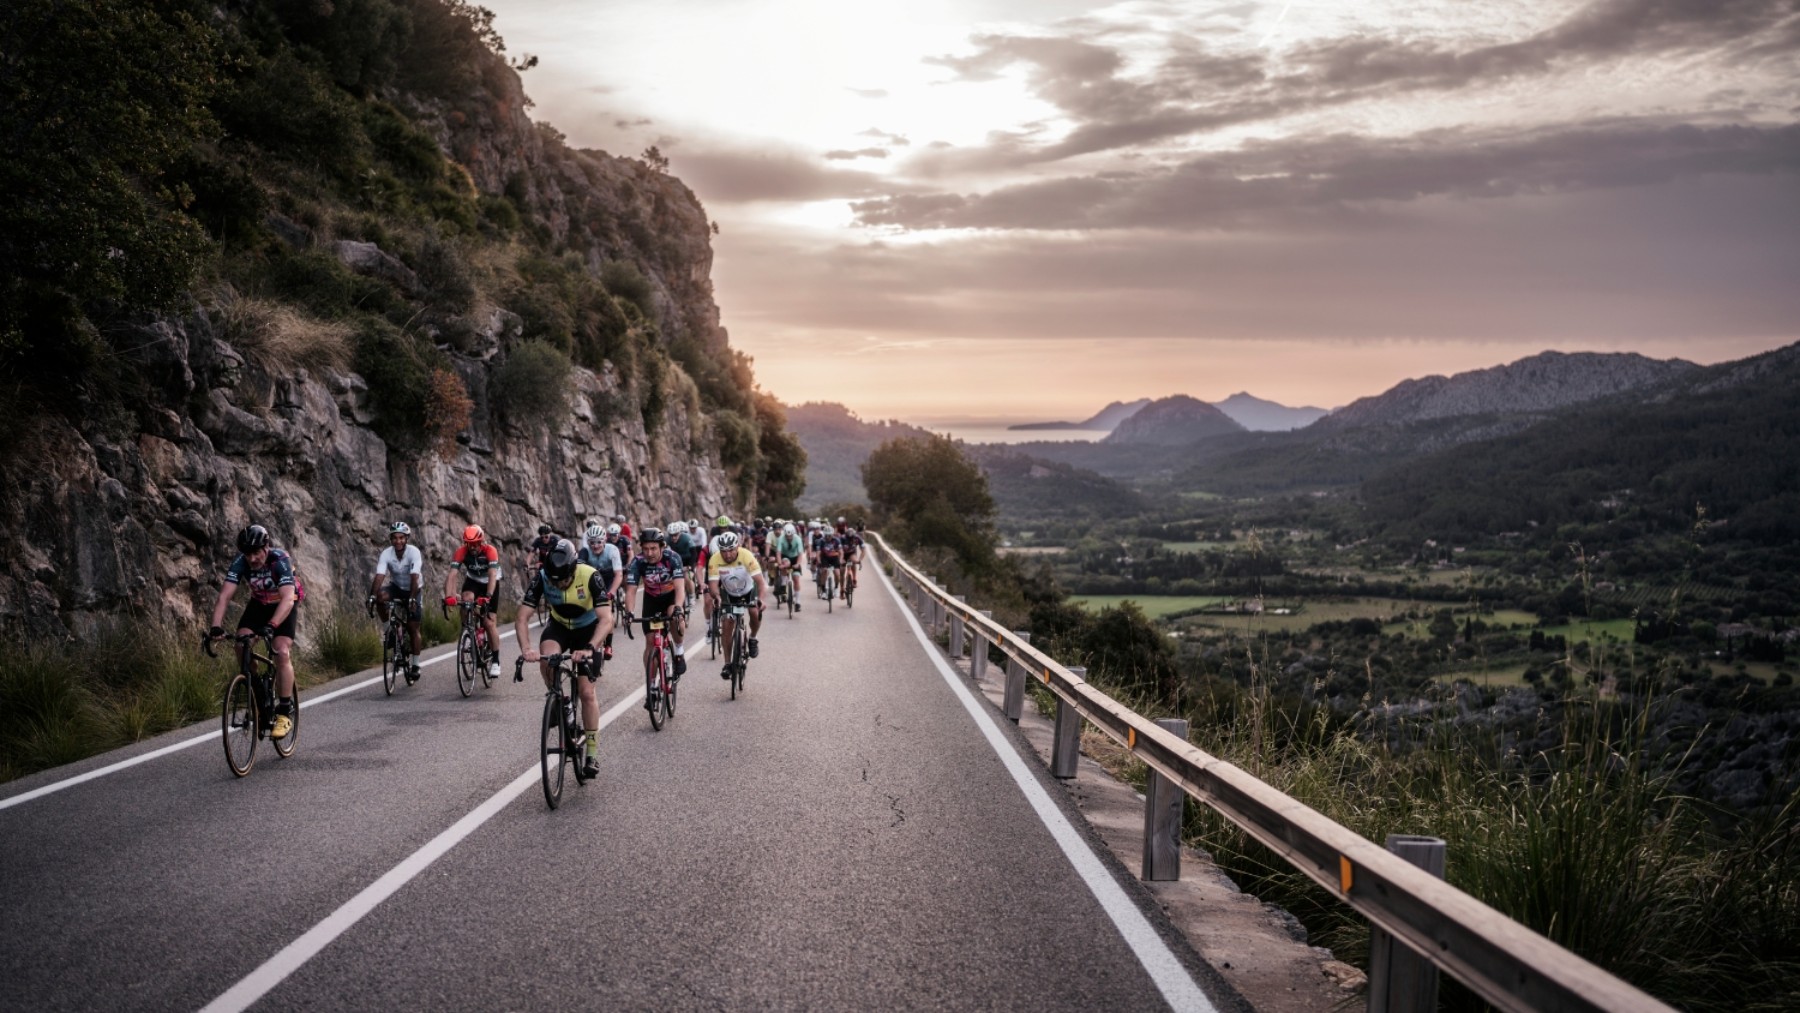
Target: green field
[
  {"x": 1199, "y": 546},
  {"x": 1154, "y": 605},
  {"x": 1617, "y": 629},
  {"x": 1379, "y": 609}
]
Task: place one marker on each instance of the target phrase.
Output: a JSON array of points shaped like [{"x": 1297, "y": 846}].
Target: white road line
[
  {"x": 1176, "y": 984},
  {"x": 295, "y": 954},
  {"x": 56, "y": 786}
]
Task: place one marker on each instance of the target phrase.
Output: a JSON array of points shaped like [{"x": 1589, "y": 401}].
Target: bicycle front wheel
[
  {"x": 284, "y": 747},
  {"x": 653, "y": 691},
  {"x": 830, "y": 589},
  {"x": 466, "y": 662},
  {"x": 487, "y": 653},
  {"x": 552, "y": 755},
  {"x": 391, "y": 660},
  {"x": 238, "y": 722}
]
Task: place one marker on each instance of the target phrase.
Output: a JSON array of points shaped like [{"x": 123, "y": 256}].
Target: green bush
[
  {"x": 532, "y": 385},
  {"x": 622, "y": 278},
  {"x": 398, "y": 372}
]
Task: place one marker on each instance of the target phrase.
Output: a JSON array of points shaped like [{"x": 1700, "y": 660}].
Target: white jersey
[{"x": 400, "y": 568}]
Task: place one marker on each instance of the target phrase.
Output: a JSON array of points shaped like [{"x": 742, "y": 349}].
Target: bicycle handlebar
[{"x": 207, "y": 640}]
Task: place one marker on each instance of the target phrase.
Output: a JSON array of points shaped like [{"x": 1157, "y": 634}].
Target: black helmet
[
  {"x": 651, "y": 535},
  {"x": 543, "y": 529},
  {"x": 252, "y": 538},
  {"x": 559, "y": 565}
]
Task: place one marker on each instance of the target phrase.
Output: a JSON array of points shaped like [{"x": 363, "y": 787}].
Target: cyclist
[
  {"x": 615, "y": 533},
  {"x": 580, "y": 611},
  {"x": 658, "y": 571},
  {"x": 735, "y": 573},
  {"x": 275, "y": 595},
  {"x": 830, "y": 557},
  {"x": 603, "y": 556},
  {"x": 404, "y": 572},
  {"x": 479, "y": 564},
  {"x": 540, "y": 547},
  {"x": 853, "y": 550},
  {"x": 788, "y": 548}
]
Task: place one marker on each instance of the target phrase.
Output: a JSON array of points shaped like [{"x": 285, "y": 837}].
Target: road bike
[
  {"x": 659, "y": 671},
  {"x": 849, "y": 584},
  {"x": 738, "y": 657},
  {"x": 397, "y": 658},
  {"x": 712, "y": 630},
  {"x": 473, "y": 652},
  {"x": 248, "y": 714},
  {"x": 830, "y": 586},
  {"x": 561, "y": 739}
]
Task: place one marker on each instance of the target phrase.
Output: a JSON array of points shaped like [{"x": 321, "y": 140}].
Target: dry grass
[{"x": 278, "y": 337}]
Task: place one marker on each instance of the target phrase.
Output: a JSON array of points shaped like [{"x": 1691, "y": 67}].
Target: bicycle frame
[{"x": 659, "y": 685}]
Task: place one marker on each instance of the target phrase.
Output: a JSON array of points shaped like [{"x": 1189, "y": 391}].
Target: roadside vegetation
[{"x": 1582, "y": 791}]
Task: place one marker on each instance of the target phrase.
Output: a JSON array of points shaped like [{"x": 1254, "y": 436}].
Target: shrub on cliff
[
  {"x": 532, "y": 385},
  {"x": 398, "y": 371}
]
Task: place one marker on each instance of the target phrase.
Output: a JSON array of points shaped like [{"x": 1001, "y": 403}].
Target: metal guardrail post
[
  {"x": 1401, "y": 981},
  {"x": 1163, "y": 804},
  {"x": 1065, "y": 756},
  {"x": 1013, "y": 705},
  {"x": 934, "y": 609},
  {"x": 957, "y": 637},
  {"x": 978, "y": 652}
]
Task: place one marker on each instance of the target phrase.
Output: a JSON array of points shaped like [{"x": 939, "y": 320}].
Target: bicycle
[
  {"x": 473, "y": 652},
  {"x": 396, "y": 652},
  {"x": 659, "y": 679},
  {"x": 712, "y": 631},
  {"x": 849, "y": 591},
  {"x": 830, "y": 585},
  {"x": 248, "y": 713},
  {"x": 740, "y": 643},
  {"x": 561, "y": 738}
]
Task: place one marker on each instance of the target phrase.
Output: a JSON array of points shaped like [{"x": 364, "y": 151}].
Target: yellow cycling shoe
[{"x": 282, "y": 727}]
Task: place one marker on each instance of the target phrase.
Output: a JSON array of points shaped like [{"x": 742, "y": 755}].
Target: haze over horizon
[{"x": 1025, "y": 210}]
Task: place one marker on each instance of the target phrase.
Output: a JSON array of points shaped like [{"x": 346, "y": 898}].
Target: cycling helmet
[
  {"x": 678, "y": 528},
  {"x": 559, "y": 564},
  {"x": 252, "y": 538},
  {"x": 649, "y": 535},
  {"x": 473, "y": 533},
  {"x": 788, "y": 528},
  {"x": 543, "y": 529},
  {"x": 724, "y": 521},
  {"x": 728, "y": 540},
  {"x": 399, "y": 528},
  {"x": 612, "y": 529},
  {"x": 594, "y": 533}
]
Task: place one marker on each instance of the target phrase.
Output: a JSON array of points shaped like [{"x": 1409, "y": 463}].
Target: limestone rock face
[{"x": 145, "y": 523}]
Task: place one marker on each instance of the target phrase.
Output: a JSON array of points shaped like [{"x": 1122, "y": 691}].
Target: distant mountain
[
  {"x": 1107, "y": 418},
  {"x": 1260, "y": 416},
  {"x": 1172, "y": 422},
  {"x": 1029, "y": 491},
  {"x": 1541, "y": 383},
  {"x": 837, "y": 443}
]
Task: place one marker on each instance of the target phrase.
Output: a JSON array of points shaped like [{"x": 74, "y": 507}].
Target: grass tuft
[{"x": 346, "y": 641}]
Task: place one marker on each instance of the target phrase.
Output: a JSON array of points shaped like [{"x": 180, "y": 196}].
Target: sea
[{"x": 996, "y": 431}]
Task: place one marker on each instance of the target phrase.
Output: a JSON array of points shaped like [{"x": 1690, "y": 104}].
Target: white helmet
[
  {"x": 594, "y": 533},
  {"x": 728, "y": 540},
  {"x": 787, "y": 528},
  {"x": 678, "y": 528},
  {"x": 612, "y": 529}
]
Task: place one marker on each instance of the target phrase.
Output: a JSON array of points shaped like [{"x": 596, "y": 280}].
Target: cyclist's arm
[
  {"x": 284, "y": 607},
  {"x": 226, "y": 591},
  {"x": 451, "y": 573}
]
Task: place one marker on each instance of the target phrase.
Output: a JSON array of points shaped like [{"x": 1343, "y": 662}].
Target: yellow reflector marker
[
  {"x": 1344, "y": 872},
  {"x": 1046, "y": 675},
  {"x": 1131, "y": 738}
]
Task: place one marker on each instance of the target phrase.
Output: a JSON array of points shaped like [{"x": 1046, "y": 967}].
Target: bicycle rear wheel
[
  {"x": 551, "y": 754},
  {"x": 669, "y": 698},
  {"x": 830, "y": 588},
  {"x": 238, "y": 722},
  {"x": 712, "y": 633},
  {"x": 284, "y": 747},
  {"x": 487, "y": 653},
  {"x": 653, "y": 695},
  {"x": 391, "y": 660},
  {"x": 465, "y": 663}
]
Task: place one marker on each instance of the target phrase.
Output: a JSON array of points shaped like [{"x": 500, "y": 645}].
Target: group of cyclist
[{"x": 581, "y": 586}]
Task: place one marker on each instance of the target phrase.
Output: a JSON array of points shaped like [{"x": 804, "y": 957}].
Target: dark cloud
[
  {"x": 736, "y": 176},
  {"x": 1197, "y": 89},
  {"x": 846, "y": 154},
  {"x": 1345, "y": 179},
  {"x": 625, "y": 124}
]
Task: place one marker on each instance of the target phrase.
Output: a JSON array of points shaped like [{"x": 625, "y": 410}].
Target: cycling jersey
[
  {"x": 607, "y": 560},
  {"x": 267, "y": 580},
  {"x": 790, "y": 546},
  {"x": 574, "y": 606},
  {"x": 476, "y": 565},
  {"x": 399, "y": 569},
  {"x": 658, "y": 577},
  {"x": 737, "y": 578},
  {"x": 830, "y": 545},
  {"x": 852, "y": 542},
  {"x": 541, "y": 546},
  {"x": 688, "y": 548}
]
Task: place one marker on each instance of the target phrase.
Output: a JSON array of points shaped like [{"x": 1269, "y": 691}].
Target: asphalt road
[{"x": 842, "y": 836}]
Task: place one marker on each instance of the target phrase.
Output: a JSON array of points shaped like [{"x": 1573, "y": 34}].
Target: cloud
[
  {"x": 845, "y": 154},
  {"x": 627, "y": 124},
  {"x": 742, "y": 176},
  {"x": 1345, "y": 179},
  {"x": 868, "y": 92},
  {"x": 890, "y": 139}
]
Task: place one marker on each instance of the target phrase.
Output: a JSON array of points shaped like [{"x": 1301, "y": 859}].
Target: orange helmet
[{"x": 473, "y": 534}]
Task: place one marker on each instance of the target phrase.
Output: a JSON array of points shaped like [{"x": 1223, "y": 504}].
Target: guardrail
[{"x": 1503, "y": 962}]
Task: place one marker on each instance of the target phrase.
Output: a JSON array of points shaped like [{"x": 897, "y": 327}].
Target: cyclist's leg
[
  {"x": 550, "y": 642},
  {"x": 756, "y": 614},
  {"x": 728, "y": 627}
]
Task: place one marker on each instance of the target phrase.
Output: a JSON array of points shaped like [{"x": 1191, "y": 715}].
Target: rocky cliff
[{"x": 126, "y": 500}]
